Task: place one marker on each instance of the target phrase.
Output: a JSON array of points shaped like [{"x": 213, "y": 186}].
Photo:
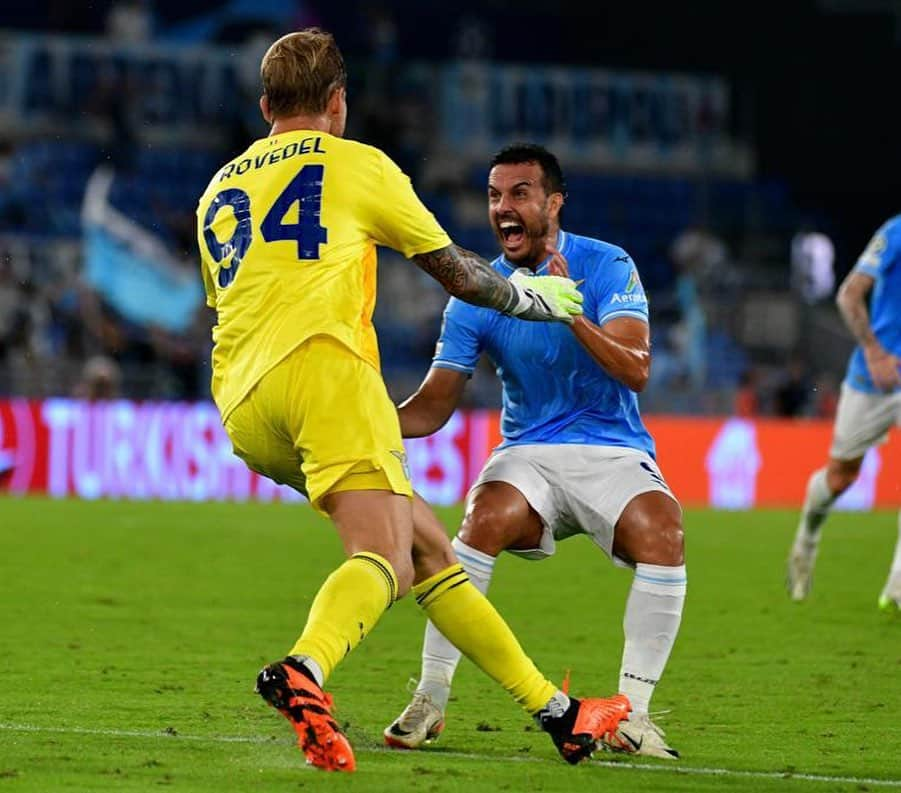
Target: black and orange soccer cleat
[
  {"x": 290, "y": 689},
  {"x": 577, "y": 732}
]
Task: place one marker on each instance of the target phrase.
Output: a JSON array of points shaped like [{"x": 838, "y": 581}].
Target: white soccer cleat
[
  {"x": 421, "y": 722},
  {"x": 890, "y": 604},
  {"x": 800, "y": 570},
  {"x": 638, "y": 735},
  {"x": 890, "y": 599}
]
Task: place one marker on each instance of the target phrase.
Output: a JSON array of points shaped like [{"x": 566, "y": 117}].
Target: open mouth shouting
[{"x": 512, "y": 234}]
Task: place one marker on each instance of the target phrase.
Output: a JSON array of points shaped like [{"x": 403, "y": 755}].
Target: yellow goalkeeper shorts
[{"x": 321, "y": 421}]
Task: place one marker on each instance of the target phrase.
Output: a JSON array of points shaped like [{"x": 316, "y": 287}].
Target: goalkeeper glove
[{"x": 544, "y": 298}]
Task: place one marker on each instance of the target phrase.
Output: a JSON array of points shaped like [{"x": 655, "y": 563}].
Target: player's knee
[
  {"x": 839, "y": 483},
  {"x": 499, "y": 517},
  {"x": 841, "y": 474},
  {"x": 651, "y": 535},
  {"x": 487, "y": 529},
  {"x": 477, "y": 529},
  {"x": 670, "y": 544}
]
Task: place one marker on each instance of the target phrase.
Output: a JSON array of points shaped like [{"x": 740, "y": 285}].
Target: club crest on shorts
[{"x": 402, "y": 457}]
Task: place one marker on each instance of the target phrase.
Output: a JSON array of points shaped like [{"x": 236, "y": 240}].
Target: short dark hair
[{"x": 515, "y": 153}]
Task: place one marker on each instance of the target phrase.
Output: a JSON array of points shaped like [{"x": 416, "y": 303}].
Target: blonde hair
[{"x": 300, "y": 71}]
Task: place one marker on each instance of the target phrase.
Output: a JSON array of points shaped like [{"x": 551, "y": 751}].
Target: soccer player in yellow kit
[{"x": 288, "y": 233}]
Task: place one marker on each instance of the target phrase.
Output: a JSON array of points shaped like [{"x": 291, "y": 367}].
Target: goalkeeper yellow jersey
[{"x": 287, "y": 234}]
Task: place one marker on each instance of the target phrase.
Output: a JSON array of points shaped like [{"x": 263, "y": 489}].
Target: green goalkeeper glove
[{"x": 544, "y": 298}]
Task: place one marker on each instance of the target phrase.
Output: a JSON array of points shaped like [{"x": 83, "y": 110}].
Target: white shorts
[
  {"x": 575, "y": 488},
  {"x": 862, "y": 421}
]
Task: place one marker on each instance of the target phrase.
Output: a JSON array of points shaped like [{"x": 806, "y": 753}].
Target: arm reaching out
[
  {"x": 434, "y": 402},
  {"x": 473, "y": 280}
]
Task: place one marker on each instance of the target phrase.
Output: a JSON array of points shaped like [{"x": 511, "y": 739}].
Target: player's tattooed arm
[{"x": 468, "y": 276}]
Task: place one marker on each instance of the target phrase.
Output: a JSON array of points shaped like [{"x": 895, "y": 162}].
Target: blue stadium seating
[
  {"x": 48, "y": 179},
  {"x": 642, "y": 213}
]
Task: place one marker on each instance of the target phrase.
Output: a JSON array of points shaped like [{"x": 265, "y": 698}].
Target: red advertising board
[
  {"x": 741, "y": 463},
  {"x": 166, "y": 450}
]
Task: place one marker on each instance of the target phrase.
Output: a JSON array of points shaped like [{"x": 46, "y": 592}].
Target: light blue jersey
[
  {"x": 881, "y": 260},
  {"x": 553, "y": 391}
]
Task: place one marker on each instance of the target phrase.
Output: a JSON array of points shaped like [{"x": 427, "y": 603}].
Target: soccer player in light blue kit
[
  {"x": 575, "y": 458},
  {"x": 870, "y": 403}
]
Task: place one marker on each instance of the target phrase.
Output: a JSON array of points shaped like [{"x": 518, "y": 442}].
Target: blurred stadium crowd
[{"x": 112, "y": 121}]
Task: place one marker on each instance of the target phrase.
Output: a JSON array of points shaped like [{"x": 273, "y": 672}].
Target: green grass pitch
[{"x": 132, "y": 633}]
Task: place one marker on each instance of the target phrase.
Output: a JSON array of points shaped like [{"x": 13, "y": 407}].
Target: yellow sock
[
  {"x": 469, "y": 621},
  {"x": 347, "y": 606}
]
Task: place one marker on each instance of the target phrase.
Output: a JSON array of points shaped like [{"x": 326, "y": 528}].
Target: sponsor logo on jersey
[
  {"x": 633, "y": 281},
  {"x": 634, "y": 297},
  {"x": 632, "y": 293}
]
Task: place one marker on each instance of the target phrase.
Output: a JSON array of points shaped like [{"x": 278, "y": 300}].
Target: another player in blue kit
[
  {"x": 870, "y": 403},
  {"x": 575, "y": 458}
]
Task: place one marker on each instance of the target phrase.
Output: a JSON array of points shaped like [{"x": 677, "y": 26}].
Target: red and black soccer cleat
[
  {"x": 576, "y": 735},
  {"x": 290, "y": 689}
]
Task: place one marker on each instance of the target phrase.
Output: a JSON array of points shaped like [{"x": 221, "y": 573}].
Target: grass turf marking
[{"x": 668, "y": 767}]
